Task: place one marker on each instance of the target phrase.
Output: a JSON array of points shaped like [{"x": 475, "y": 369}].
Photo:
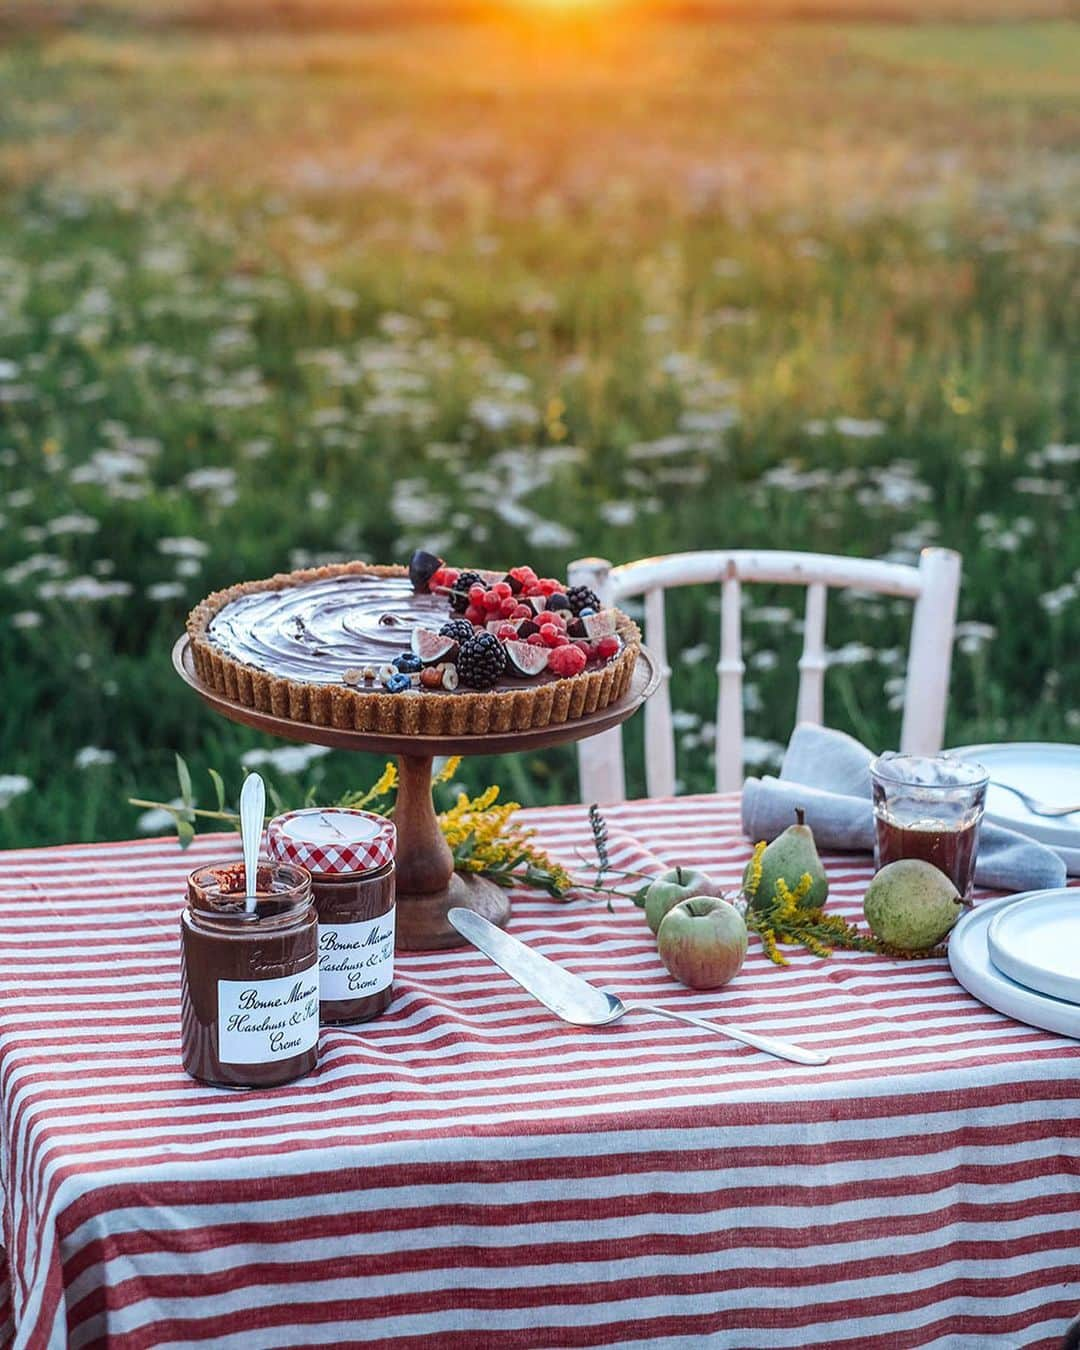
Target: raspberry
[
  {"x": 549, "y": 635},
  {"x": 490, "y": 600},
  {"x": 554, "y": 616},
  {"x": 607, "y": 647},
  {"x": 503, "y": 589},
  {"x": 521, "y": 612},
  {"x": 533, "y": 588},
  {"x": 477, "y": 617},
  {"x": 525, "y": 575},
  {"x": 549, "y": 586},
  {"x": 567, "y": 661},
  {"x": 535, "y": 640}
]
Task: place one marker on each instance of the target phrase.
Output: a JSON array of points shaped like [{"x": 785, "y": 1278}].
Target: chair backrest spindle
[
  {"x": 659, "y": 732},
  {"x": 729, "y": 703},
  {"x": 812, "y": 663}
]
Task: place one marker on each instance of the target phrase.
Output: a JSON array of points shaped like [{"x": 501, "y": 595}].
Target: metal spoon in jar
[{"x": 252, "y": 816}]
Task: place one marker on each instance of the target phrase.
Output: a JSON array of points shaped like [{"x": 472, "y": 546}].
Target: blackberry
[
  {"x": 459, "y": 596},
  {"x": 461, "y": 630},
  {"x": 580, "y": 597},
  {"x": 481, "y": 661}
]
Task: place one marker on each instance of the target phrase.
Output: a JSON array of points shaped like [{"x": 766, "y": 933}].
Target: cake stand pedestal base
[
  {"x": 427, "y": 885},
  {"x": 422, "y": 925}
]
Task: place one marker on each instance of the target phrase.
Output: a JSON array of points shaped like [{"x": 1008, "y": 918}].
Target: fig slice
[
  {"x": 526, "y": 659},
  {"x": 432, "y": 647},
  {"x": 422, "y": 567},
  {"x": 601, "y": 624}
]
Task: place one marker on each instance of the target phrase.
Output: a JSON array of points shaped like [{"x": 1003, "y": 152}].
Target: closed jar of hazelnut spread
[
  {"x": 350, "y": 855},
  {"x": 249, "y": 985}
]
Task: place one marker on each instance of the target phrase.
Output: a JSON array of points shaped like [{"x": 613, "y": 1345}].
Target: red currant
[
  {"x": 491, "y": 600},
  {"x": 521, "y": 612},
  {"x": 535, "y": 640},
  {"x": 476, "y": 616}
]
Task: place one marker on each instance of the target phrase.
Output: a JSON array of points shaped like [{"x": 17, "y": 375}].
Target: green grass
[{"x": 381, "y": 280}]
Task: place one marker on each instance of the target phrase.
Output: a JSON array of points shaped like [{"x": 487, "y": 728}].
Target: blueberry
[
  {"x": 396, "y": 683},
  {"x": 407, "y": 663},
  {"x": 558, "y": 601},
  {"x": 587, "y": 610}
]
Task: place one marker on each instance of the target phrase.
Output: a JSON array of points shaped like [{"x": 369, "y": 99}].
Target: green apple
[
  {"x": 680, "y": 883},
  {"x": 702, "y": 942}
]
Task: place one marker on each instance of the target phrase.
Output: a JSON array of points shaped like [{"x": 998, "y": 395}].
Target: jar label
[
  {"x": 356, "y": 959},
  {"x": 263, "y": 1021}
]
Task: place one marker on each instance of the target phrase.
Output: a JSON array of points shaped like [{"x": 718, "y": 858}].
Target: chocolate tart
[{"x": 284, "y": 644}]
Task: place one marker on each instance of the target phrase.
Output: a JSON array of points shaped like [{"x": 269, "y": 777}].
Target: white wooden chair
[{"x": 934, "y": 586}]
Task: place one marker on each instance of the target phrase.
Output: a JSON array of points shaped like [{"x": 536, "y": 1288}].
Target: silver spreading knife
[{"x": 577, "y": 1001}]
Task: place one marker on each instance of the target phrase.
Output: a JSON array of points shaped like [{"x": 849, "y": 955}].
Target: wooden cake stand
[{"x": 427, "y": 885}]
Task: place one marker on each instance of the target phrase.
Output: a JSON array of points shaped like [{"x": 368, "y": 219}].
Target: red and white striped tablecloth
[{"x": 468, "y": 1172}]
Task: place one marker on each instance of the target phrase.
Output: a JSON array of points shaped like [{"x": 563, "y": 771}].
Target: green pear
[
  {"x": 911, "y": 905},
  {"x": 790, "y": 856}
]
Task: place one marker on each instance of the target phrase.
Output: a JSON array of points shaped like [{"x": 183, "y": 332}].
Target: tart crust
[{"x": 422, "y": 712}]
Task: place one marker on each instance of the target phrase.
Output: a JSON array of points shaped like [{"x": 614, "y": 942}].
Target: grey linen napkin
[{"x": 828, "y": 775}]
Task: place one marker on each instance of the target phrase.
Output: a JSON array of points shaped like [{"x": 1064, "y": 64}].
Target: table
[{"x": 468, "y": 1172}]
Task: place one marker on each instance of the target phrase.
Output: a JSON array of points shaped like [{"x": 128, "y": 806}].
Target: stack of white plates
[
  {"x": 1021, "y": 955},
  {"x": 1046, "y": 772}
]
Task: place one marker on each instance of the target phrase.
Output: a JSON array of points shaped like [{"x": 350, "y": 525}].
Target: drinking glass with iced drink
[{"x": 929, "y": 807}]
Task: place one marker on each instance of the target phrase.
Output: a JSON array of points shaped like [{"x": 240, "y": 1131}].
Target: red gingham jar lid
[{"x": 332, "y": 840}]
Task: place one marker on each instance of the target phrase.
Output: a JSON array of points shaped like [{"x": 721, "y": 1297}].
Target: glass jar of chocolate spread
[
  {"x": 350, "y": 855},
  {"x": 249, "y": 980}
]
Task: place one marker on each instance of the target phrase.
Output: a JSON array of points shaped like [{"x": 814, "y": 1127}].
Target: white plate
[
  {"x": 1044, "y": 770},
  {"x": 969, "y": 957},
  {"x": 1037, "y": 943}
]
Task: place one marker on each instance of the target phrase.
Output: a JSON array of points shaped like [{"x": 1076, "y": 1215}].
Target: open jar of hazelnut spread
[
  {"x": 350, "y": 855},
  {"x": 249, "y": 981}
]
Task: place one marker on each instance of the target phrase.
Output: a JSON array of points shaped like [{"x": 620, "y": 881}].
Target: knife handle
[{"x": 781, "y": 1049}]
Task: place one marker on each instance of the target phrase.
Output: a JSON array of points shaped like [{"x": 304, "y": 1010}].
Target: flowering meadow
[{"x": 520, "y": 290}]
